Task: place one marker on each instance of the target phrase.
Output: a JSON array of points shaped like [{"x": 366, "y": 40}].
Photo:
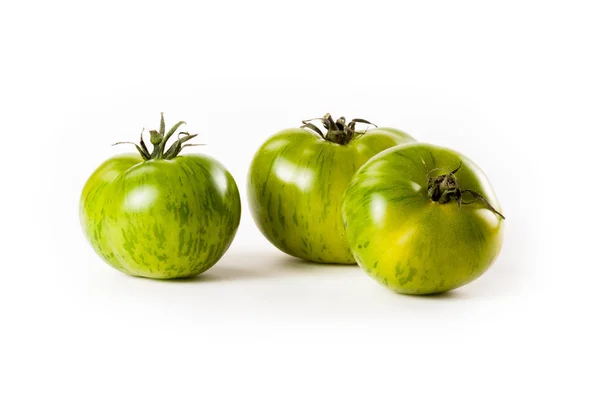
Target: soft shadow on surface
[
  {"x": 249, "y": 265},
  {"x": 456, "y": 294},
  {"x": 289, "y": 262},
  {"x": 256, "y": 265},
  {"x": 227, "y": 273},
  {"x": 204, "y": 277}
]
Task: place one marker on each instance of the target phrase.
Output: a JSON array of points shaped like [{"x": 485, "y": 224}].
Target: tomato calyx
[
  {"x": 337, "y": 131},
  {"x": 159, "y": 140},
  {"x": 444, "y": 188}
]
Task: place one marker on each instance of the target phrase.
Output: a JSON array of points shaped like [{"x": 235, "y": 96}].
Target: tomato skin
[
  {"x": 160, "y": 219},
  {"x": 295, "y": 187},
  {"x": 409, "y": 243}
]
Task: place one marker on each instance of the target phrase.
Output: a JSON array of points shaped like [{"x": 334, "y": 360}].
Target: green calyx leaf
[
  {"x": 155, "y": 137},
  {"x": 159, "y": 140}
]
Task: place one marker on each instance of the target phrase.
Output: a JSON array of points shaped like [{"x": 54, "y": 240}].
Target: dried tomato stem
[
  {"x": 338, "y": 131},
  {"x": 444, "y": 188}
]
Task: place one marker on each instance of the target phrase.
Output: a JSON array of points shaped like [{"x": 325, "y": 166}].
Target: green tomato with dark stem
[
  {"x": 160, "y": 214},
  {"x": 297, "y": 180},
  {"x": 422, "y": 219}
]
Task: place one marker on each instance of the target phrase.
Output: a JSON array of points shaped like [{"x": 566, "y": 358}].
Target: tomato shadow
[
  {"x": 233, "y": 273},
  {"x": 242, "y": 266},
  {"x": 294, "y": 263},
  {"x": 456, "y": 294}
]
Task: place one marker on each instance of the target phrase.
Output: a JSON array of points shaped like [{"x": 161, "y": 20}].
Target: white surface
[{"x": 514, "y": 86}]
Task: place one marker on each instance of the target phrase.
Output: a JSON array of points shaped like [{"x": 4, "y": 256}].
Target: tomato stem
[
  {"x": 337, "y": 131},
  {"x": 159, "y": 140},
  {"x": 444, "y": 188}
]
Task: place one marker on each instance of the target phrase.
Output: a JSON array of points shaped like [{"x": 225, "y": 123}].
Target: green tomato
[
  {"x": 297, "y": 180},
  {"x": 162, "y": 215},
  {"x": 422, "y": 219}
]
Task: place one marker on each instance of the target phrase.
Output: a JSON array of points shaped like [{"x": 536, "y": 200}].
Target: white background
[{"x": 514, "y": 85}]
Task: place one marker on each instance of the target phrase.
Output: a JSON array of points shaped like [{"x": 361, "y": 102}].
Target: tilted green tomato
[
  {"x": 418, "y": 219},
  {"x": 164, "y": 217},
  {"x": 296, "y": 183}
]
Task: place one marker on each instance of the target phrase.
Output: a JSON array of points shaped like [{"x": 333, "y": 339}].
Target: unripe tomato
[
  {"x": 422, "y": 219},
  {"x": 298, "y": 177},
  {"x": 161, "y": 215}
]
